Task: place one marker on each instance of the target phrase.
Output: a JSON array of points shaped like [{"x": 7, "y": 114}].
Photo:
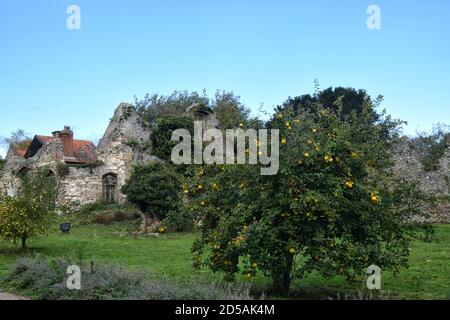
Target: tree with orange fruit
[{"x": 334, "y": 207}]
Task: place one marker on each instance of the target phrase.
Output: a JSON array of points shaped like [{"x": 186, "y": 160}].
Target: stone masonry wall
[{"x": 408, "y": 165}]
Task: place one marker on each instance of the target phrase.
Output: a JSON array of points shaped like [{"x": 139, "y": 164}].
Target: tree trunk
[
  {"x": 24, "y": 243},
  {"x": 281, "y": 277}
]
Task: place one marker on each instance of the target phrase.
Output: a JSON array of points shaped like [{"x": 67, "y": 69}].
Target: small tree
[
  {"x": 154, "y": 188},
  {"x": 30, "y": 213}
]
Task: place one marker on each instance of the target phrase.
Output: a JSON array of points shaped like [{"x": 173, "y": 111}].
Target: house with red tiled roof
[
  {"x": 85, "y": 173},
  {"x": 74, "y": 151}
]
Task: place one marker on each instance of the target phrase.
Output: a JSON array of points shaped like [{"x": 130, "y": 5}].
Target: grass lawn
[{"x": 428, "y": 276}]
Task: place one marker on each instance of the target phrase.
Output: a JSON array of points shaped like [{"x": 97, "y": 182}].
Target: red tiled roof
[
  {"x": 20, "y": 152},
  {"x": 84, "y": 151}
]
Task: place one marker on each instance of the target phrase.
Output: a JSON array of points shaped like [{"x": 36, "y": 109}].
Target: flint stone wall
[{"x": 408, "y": 165}]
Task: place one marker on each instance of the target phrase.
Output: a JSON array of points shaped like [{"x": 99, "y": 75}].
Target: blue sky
[{"x": 262, "y": 50}]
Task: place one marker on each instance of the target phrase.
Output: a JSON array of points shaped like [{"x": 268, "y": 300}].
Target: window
[{"x": 109, "y": 188}]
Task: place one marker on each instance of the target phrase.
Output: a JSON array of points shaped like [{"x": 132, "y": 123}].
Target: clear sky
[{"x": 264, "y": 51}]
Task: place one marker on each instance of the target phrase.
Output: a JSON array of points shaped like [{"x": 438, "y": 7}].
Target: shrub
[
  {"x": 162, "y": 134},
  {"x": 179, "y": 221},
  {"x": 154, "y": 188},
  {"x": 105, "y": 213},
  {"x": 46, "y": 279},
  {"x": 110, "y": 216}
]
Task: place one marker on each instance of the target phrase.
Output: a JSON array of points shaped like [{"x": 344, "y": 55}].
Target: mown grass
[{"x": 428, "y": 276}]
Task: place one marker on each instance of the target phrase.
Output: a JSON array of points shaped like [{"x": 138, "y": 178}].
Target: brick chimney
[{"x": 67, "y": 140}]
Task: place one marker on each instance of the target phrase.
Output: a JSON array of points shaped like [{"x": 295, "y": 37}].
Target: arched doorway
[{"x": 109, "y": 188}]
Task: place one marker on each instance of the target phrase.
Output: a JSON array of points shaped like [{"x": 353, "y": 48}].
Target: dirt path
[{"x": 10, "y": 297}]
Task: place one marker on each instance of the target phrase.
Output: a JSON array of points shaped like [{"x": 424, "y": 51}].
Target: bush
[
  {"x": 179, "y": 221},
  {"x": 46, "y": 280},
  {"x": 154, "y": 188},
  {"x": 110, "y": 216},
  {"x": 162, "y": 134},
  {"x": 106, "y": 213}
]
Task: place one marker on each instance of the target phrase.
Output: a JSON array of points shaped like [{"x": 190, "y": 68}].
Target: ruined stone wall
[
  {"x": 46, "y": 157},
  {"x": 408, "y": 165},
  {"x": 126, "y": 143},
  {"x": 79, "y": 187}
]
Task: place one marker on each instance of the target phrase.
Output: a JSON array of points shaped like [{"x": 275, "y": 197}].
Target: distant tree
[
  {"x": 154, "y": 188},
  {"x": 31, "y": 211},
  {"x": 17, "y": 140}
]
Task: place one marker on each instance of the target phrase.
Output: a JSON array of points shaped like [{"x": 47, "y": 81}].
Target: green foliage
[
  {"x": 334, "y": 207},
  {"x": 350, "y": 101},
  {"x": 432, "y": 146},
  {"x": 62, "y": 169},
  {"x": 46, "y": 280},
  {"x": 33, "y": 209},
  {"x": 2, "y": 163},
  {"x": 162, "y": 134},
  {"x": 227, "y": 107},
  {"x": 230, "y": 112},
  {"x": 164, "y": 114},
  {"x": 151, "y": 107},
  {"x": 179, "y": 220},
  {"x": 154, "y": 188}
]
